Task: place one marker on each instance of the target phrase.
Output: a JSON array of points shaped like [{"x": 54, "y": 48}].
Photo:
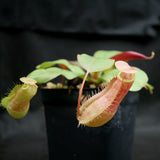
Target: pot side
[{"x": 66, "y": 140}]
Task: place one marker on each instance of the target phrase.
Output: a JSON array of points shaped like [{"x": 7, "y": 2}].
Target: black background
[{"x": 35, "y": 31}]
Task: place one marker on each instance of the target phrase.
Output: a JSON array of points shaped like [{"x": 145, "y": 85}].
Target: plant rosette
[{"x": 107, "y": 70}]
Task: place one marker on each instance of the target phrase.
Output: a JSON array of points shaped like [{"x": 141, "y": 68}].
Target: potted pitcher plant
[{"x": 90, "y": 113}]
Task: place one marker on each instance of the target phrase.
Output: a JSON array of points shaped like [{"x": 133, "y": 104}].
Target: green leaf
[
  {"x": 106, "y": 54},
  {"x": 48, "y": 64},
  {"x": 45, "y": 65},
  {"x": 108, "y": 76},
  {"x": 73, "y": 68},
  {"x": 140, "y": 81},
  {"x": 45, "y": 72},
  {"x": 45, "y": 75},
  {"x": 94, "y": 64}
]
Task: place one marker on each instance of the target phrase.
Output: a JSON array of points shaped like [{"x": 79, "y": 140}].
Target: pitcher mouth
[
  {"x": 91, "y": 94},
  {"x": 96, "y": 93}
]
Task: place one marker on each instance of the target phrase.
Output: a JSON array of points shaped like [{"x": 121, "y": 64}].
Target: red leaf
[{"x": 131, "y": 55}]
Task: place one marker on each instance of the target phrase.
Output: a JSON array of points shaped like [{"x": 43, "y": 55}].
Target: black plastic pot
[{"x": 66, "y": 140}]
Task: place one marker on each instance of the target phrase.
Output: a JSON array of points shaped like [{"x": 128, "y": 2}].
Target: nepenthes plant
[{"x": 109, "y": 71}]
